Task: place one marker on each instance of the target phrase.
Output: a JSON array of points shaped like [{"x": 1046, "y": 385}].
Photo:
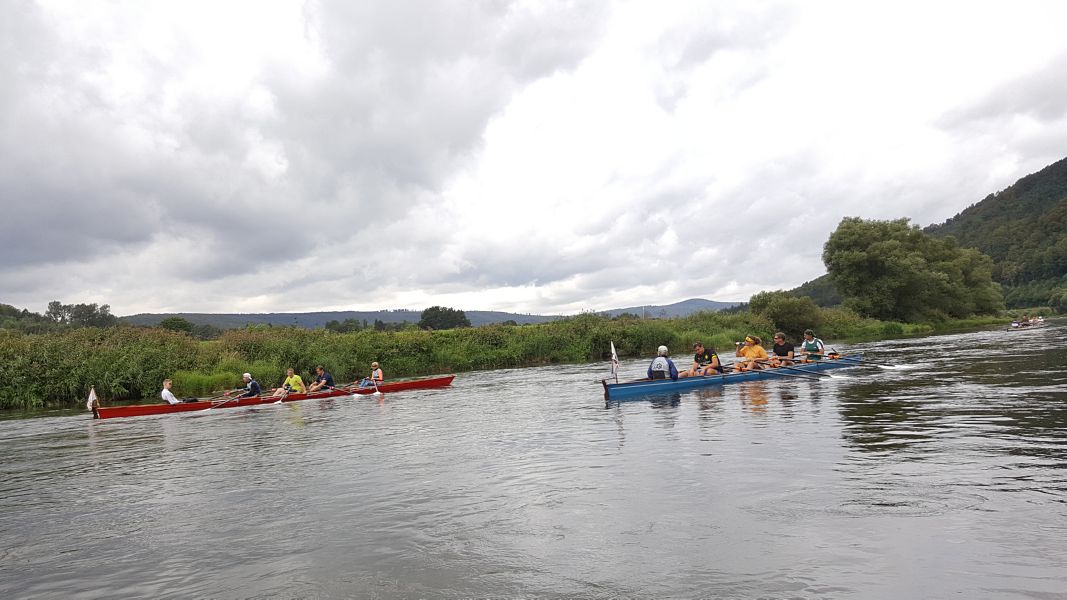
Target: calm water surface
[{"x": 944, "y": 477}]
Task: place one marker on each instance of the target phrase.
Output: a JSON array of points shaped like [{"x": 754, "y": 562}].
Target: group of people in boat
[
  {"x": 750, "y": 356},
  {"x": 293, "y": 384},
  {"x": 1026, "y": 321}
]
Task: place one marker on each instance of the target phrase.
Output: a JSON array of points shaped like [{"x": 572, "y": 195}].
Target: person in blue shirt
[
  {"x": 323, "y": 380},
  {"x": 662, "y": 366},
  {"x": 251, "y": 387}
]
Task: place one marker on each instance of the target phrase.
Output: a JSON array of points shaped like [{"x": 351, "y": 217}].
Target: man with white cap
[
  {"x": 662, "y": 366},
  {"x": 251, "y": 387}
]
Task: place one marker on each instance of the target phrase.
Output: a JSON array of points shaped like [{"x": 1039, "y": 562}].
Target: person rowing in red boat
[
  {"x": 251, "y": 388},
  {"x": 292, "y": 384},
  {"x": 375, "y": 379},
  {"x": 322, "y": 380}
]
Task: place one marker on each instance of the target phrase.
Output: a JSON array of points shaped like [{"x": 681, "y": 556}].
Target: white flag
[
  {"x": 92, "y": 398},
  {"x": 614, "y": 361}
]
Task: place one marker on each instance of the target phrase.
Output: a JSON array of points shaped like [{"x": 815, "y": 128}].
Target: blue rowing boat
[{"x": 802, "y": 370}]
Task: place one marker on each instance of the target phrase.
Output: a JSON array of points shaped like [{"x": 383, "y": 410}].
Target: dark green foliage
[
  {"x": 787, "y": 313},
  {"x": 1023, "y": 228},
  {"x": 81, "y": 315},
  {"x": 891, "y": 271},
  {"x": 440, "y": 317},
  {"x": 176, "y": 324},
  {"x": 206, "y": 332},
  {"x": 821, "y": 290}
]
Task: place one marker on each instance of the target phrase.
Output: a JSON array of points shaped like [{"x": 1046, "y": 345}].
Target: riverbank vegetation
[{"x": 128, "y": 363}]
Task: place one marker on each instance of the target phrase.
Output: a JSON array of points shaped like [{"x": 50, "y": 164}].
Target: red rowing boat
[{"x": 138, "y": 410}]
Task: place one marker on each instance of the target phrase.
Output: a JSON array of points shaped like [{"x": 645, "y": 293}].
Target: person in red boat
[{"x": 375, "y": 379}]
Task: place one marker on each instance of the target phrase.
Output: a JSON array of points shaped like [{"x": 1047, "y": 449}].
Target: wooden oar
[
  {"x": 803, "y": 374},
  {"x": 791, "y": 368},
  {"x": 863, "y": 361}
]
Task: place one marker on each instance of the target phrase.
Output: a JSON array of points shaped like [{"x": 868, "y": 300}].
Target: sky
[{"x": 530, "y": 157}]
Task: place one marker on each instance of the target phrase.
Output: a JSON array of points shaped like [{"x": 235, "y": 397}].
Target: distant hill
[
  {"x": 678, "y": 309},
  {"x": 315, "y": 320}
]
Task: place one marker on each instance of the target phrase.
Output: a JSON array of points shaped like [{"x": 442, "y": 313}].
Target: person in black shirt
[
  {"x": 781, "y": 352},
  {"x": 322, "y": 380},
  {"x": 705, "y": 362}
]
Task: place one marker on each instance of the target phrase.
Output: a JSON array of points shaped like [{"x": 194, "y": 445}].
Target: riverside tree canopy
[
  {"x": 892, "y": 271},
  {"x": 440, "y": 317}
]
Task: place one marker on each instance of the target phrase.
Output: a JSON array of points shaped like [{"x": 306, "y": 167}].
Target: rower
[
  {"x": 375, "y": 379},
  {"x": 251, "y": 387},
  {"x": 705, "y": 362},
  {"x": 662, "y": 366},
  {"x": 781, "y": 351},
  {"x": 322, "y": 380},
  {"x": 292, "y": 383},
  {"x": 751, "y": 350},
  {"x": 812, "y": 347}
]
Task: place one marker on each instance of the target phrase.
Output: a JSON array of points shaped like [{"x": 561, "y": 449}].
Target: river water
[{"x": 943, "y": 477}]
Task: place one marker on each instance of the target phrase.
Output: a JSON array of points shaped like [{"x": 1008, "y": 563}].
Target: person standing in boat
[
  {"x": 812, "y": 347},
  {"x": 322, "y": 380},
  {"x": 376, "y": 377},
  {"x": 662, "y": 366},
  {"x": 292, "y": 383},
  {"x": 781, "y": 351},
  {"x": 705, "y": 362},
  {"x": 752, "y": 353},
  {"x": 168, "y": 395}
]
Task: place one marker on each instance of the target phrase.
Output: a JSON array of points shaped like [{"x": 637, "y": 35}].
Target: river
[{"x": 945, "y": 476}]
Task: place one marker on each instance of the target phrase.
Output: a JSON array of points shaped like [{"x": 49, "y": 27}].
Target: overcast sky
[{"x": 535, "y": 157}]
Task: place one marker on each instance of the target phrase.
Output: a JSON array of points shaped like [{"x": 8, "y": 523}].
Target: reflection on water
[{"x": 945, "y": 476}]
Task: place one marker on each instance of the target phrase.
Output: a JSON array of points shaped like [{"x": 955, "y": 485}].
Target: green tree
[
  {"x": 440, "y": 317},
  {"x": 788, "y": 313},
  {"x": 177, "y": 324},
  {"x": 893, "y": 271}
]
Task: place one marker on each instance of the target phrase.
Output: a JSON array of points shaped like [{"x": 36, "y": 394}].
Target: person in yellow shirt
[
  {"x": 752, "y": 353},
  {"x": 293, "y": 383}
]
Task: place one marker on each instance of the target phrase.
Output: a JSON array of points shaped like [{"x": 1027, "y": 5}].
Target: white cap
[
  {"x": 248, "y": 375},
  {"x": 663, "y": 351}
]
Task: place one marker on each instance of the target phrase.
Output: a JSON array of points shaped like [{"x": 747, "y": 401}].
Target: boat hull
[
  {"x": 140, "y": 410},
  {"x": 643, "y": 387}
]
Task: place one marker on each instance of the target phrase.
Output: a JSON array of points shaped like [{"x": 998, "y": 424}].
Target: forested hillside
[{"x": 1024, "y": 230}]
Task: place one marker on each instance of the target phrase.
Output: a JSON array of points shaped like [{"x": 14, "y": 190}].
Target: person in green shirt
[
  {"x": 812, "y": 347},
  {"x": 292, "y": 383}
]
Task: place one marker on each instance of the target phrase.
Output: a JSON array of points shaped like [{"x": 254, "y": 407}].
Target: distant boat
[
  {"x": 352, "y": 389},
  {"x": 1027, "y": 324}
]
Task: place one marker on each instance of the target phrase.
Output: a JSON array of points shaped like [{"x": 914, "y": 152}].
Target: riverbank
[{"x": 127, "y": 363}]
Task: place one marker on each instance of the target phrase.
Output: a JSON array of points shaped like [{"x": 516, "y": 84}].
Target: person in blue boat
[
  {"x": 322, "y": 380},
  {"x": 812, "y": 347},
  {"x": 705, "y": 362},
  {"x": 781, "y": 352},
  {"x": 662, "y": 366}
]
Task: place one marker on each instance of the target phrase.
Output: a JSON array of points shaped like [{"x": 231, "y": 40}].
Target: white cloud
[{"x": 527, "y": 156}]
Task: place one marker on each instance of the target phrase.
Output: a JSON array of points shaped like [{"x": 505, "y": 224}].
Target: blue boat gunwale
[{"x": 640, "y": 387}]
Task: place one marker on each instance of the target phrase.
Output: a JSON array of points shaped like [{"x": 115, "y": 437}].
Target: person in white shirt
[{"x": 167, "y": 394}]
